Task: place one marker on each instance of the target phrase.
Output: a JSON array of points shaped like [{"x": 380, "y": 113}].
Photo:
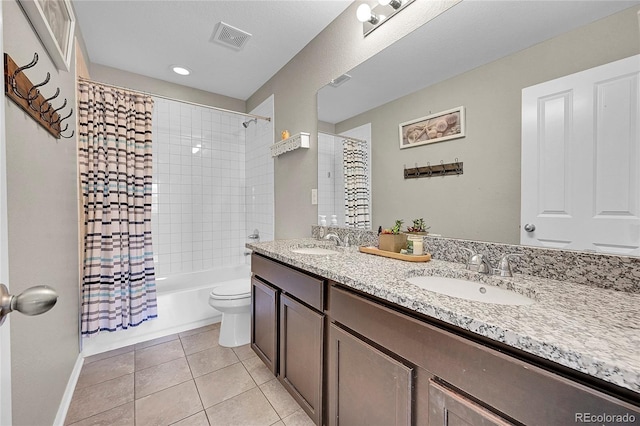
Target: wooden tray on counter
[{"x": 392, "y": 255}]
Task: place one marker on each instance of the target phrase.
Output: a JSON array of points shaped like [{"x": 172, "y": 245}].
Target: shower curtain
[
  {"x": 356, "y": 184},
  {"x": 118, "y": 284}
]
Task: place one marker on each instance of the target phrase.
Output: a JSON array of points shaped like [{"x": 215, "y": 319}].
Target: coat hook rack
[
  {"x": 27, "y": 96},
  {"x": 442, "y": 169}
]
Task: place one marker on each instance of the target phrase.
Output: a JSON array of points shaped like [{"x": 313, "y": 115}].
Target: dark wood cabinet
[
  {"x": 264, "y": 323},
  {"x": 288, "y": 330},
  {"x": 301, "y": 349},
  {"x": 449, "y": 408},
  {"x": 364, "y": 385}
]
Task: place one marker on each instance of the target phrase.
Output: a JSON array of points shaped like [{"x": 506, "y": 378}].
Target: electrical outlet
[{"x": 314, "y": 196}]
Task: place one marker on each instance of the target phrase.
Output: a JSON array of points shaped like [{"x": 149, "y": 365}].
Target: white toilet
[{"x": 234, "y": 301}]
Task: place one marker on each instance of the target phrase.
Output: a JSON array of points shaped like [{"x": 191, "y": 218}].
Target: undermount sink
[
  {"x": 313, "y": 250},
  {"x": 470, "y": 290}
]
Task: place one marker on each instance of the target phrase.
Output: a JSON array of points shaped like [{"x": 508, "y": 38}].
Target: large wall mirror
[{"x": 479, "y": 55}]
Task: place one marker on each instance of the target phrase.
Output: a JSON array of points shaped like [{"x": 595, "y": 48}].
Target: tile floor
[{"x": 183, "y": 379}]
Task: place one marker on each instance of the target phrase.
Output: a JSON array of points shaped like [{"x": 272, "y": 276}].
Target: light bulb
[
  {"x": 384, "y": 2},
  {"x": 363, "y": 13}
]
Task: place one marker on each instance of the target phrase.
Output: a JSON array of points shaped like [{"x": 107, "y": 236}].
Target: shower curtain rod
[
  {"x": 344, "y": 137},
  {"x": 176, "y": 100}
]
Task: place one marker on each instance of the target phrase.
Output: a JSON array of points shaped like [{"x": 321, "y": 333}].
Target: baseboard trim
[{"x": 68, "y": 392}]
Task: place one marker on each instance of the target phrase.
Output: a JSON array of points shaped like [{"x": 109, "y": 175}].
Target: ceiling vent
[
  {"x": 230, "y": 36},
  {"x": 339, "y": 80}
]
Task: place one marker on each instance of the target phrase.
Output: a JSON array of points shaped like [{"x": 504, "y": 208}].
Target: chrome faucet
[
  {"x": 504, "y": 266},
  {"x": 339, "y": 242},
  {"x": 479, "y": 263}
]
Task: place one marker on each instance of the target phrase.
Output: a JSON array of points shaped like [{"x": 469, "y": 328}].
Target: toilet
[{"x": 234, "y": 301}]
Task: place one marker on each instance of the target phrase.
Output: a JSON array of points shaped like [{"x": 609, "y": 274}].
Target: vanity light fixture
[
  {"x": 180, "y": 70},
  {"x": 364, "y": 14},
  {"x": 385, "y": 10}
]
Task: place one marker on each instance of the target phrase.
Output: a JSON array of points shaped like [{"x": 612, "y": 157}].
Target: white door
[
  {"x": 5, "y": 361},
  {"x": 581, "y": 160}
]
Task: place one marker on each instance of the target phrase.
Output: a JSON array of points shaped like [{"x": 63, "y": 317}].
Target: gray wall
[
  {"x": 483, "y": 203},
  {"x": 154, "y": 86},
  {"x": 43, "y": 235},
  {"x": 334, "y": 51}
]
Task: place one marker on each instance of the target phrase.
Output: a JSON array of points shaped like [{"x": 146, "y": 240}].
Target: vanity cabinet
[
  {"x": 456, "y": 380},
  {"x": 365, "y": 386},
  {"x": 287, "y": 329},
  {"x": 264, "y": 323}
]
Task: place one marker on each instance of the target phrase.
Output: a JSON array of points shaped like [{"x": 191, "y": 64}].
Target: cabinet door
[
  {"x": 448, "y": 408},
  {"x": 301, "y": 346},
  {"x": 366, "y": 386},
  {"x": 264, "y": 323}
]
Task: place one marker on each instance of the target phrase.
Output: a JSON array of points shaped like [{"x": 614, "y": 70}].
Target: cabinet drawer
[
  {"x": 522, "y": 391},
  {"x": 305, "y": 288}
]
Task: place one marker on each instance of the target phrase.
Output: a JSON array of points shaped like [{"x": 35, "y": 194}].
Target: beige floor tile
[
  {"x": 168, "y": 406},
  {"x": 248, "y": 408},
  {"x": 200, "y": 330},
  {"x": 280, "y": 399},
  {"x": 119, "y": 416},
  {"x": 200, "y": 342},
  {"x": 244, "y": 352},
  {"x": 278, "y": 423},
  {"x": 95, "y": 399},
  {"x": 162, "y": 376},
  {"x": 223, "y": 384},
  {"x": 299, "y": 418},
  {"x": 105, "y": 355},
  {"x": 260, "y": 373},
  {"x": 105, "y": 369},
  {"x": 209, "y": 360},
  {"x": 158, "y": 354},
  {"x": 198, "y": 419},
  {"x": 157, "y": 341}
]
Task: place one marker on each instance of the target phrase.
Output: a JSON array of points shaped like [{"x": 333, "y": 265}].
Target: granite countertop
[{"x": 592, "y": 330}]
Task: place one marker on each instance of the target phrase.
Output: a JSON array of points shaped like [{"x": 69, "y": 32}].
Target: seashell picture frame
[{"x": 444, "y": 125}]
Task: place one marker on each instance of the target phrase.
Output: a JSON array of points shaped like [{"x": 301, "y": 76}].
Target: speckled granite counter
[{"x": 591, "y": 330}]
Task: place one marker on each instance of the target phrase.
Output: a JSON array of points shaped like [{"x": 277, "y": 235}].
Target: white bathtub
[{"x": 183, "y": 304}]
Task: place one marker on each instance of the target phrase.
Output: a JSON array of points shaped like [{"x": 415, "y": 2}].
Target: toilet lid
[{"x": 236, "y": 289}]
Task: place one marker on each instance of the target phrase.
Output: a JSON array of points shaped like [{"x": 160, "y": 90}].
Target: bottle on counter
[
  {"x": 415, "y": 245},
  {"x": 334, "y": 220}
]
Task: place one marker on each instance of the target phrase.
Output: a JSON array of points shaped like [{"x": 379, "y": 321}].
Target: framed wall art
[
  {"x": 433, "y": 128},
  {"x": 55, "y": 24}
]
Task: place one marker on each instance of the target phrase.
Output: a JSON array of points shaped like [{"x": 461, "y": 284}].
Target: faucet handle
[{"x": 504, "y": 266}]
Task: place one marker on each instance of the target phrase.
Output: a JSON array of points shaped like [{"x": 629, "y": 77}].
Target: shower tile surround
[
  {"x": 205, "y": 186},
  {"x": 621, "y": 273},
  {"x": 589, "y": 329}
]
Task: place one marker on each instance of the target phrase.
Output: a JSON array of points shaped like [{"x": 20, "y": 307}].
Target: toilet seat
[{"x": 238, "y": 289}]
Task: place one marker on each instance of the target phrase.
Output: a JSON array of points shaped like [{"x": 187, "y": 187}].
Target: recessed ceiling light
[{"x": 181, "y": 70}]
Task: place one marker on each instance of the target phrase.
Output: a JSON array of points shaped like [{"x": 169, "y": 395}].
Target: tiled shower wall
[
  {"x": 198, "y": 211},
  {"x": 259, "y": 173}
]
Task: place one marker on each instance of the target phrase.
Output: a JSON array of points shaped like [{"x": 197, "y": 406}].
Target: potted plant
[
  {"x": 418, "y": 227},
  {"x": 392, "y": 239}
]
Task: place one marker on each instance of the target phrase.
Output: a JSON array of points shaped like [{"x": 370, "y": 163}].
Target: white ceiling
[
  {"x": 470, "y": 34},
  {"x": 148, "y": 37}
]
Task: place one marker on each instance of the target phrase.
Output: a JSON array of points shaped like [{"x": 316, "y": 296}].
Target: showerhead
[{"x": 246, "y": 123}]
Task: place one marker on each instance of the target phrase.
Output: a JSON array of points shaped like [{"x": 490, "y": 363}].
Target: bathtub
[{"x": 183, "y": 304}]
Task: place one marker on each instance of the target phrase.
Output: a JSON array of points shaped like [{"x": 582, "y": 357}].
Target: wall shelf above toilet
[{"x": 300, "y": 140}]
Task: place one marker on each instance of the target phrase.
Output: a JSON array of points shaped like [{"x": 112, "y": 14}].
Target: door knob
[
  {"x": 33, "y": 301},
  {"x": 529, "y": 227}
]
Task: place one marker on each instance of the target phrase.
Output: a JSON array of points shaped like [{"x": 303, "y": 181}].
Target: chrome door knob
[
  {"x": 529, "y": 227},
  {"x": 33, "y": 301}
]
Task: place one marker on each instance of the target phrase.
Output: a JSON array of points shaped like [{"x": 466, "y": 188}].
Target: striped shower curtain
[
  {"x": 118, "y": 284},
  {"x": 356, "y": 184}
]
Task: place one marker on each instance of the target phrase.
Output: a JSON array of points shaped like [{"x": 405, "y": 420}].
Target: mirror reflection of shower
[
  {"x": 344, "y": 177},
  {"x": 246, "y": 123}
]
